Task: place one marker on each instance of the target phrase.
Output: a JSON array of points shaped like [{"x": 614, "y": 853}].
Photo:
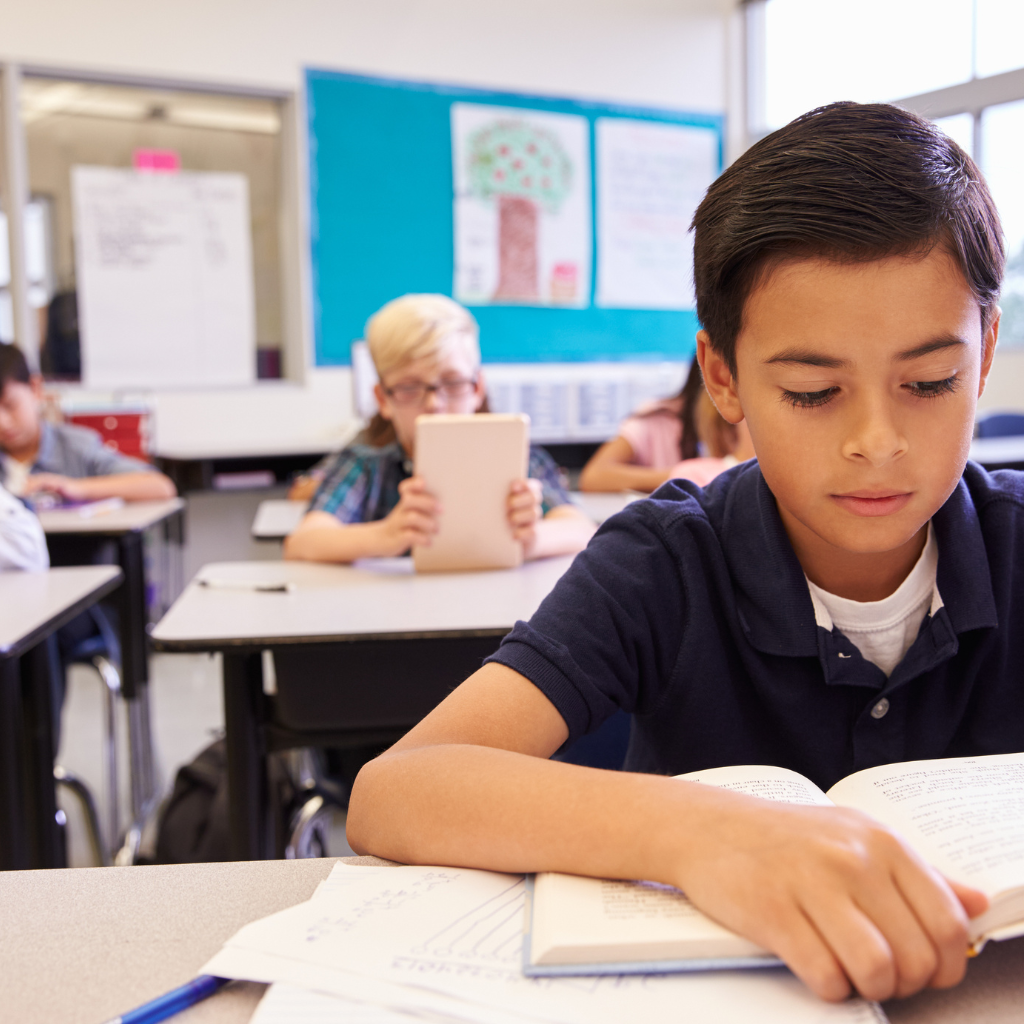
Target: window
[{"x": 959, "y": 62}]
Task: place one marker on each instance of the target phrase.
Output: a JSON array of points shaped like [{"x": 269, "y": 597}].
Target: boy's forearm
[
  {"x": 482, "y": 807},
  {"x": 333, "y": 543},
  {"x": 130, "y": 486}
]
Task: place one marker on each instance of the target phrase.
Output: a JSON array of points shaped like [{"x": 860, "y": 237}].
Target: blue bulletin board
[{"x": 381, "y": 191}]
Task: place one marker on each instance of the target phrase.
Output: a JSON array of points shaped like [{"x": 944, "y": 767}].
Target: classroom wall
[{"x": 671, "y": 53}]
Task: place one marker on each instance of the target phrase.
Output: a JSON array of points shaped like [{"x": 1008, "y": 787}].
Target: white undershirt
[{"x": 883, "y": 631}]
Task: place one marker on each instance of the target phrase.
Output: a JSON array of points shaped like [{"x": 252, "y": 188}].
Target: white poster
[
  {"x": 165, "y": 279},
  {"x": 650, "y": 178},
  {"x": 522, "y": 206}
]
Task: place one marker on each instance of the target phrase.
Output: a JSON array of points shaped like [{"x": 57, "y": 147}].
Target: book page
[
  {"x": 580, "y": 920},
  {"x": 764, "y": 781},
  {"x": 965, "y": 815}
]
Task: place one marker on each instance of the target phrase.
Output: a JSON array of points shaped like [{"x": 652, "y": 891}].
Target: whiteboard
[{"x": 165, "y": 279}]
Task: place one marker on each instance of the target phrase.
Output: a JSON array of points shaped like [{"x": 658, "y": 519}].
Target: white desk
[
  {"x": 379, "y": 598},
  {"x": 132, "y": 517},
  {"x": 83, "y": 945},
  {"x": 361, "y": 654},
  {"x": 277, "y": 517},
  {"x": 998, "y": 451},
  {"x": 32, "y": 607}
]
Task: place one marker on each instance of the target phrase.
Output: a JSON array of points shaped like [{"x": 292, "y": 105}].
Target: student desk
[
  {"x": 35, "y": 605},
  {"x": 85, "y": 944},
  {"x": 998, "y": 452},
  {"x": 375, "y": 639},
  {"x": 73, "y": 538},
  {"x": 277, "y": 517}
]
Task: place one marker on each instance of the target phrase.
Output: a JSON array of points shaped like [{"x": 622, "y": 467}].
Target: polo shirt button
[{"x": 881, "y": 708}]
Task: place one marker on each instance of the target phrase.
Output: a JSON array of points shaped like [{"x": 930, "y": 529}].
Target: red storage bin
[{"x": 125, "y": 432}]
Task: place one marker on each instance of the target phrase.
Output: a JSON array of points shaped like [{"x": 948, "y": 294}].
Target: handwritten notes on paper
[{"x": 650, "y": 178}]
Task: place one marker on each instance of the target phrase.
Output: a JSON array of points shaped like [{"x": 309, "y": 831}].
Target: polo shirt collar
[{"x": 774, "y": 602}]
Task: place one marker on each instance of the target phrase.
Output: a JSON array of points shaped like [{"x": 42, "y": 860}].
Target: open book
[{"x": 964, "y": 815}]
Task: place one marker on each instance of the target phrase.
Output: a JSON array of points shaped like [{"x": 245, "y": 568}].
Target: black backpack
[{"x": 193, "y": 825}]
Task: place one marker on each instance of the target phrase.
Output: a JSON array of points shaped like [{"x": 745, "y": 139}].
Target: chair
[
  {"x": 1000, "y": 424},
  {"x": 383, "y": 689},
  {"x": 101, "y": 652}
]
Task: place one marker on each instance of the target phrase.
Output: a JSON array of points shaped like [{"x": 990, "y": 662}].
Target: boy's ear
[
  {"x": 988, "y": 350},
  {"x": 718, "y": 379},
  {"x": 35, "y": 382},
  {"x": 383, "y": 405}
]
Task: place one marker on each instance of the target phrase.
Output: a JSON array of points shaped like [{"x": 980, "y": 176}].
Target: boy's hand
[
  {"x": 525, "y": 511},
  {"x": 839, "y": 897},
  {"x": 412, "y": 522},
  {"x": 66, "y": 486}
]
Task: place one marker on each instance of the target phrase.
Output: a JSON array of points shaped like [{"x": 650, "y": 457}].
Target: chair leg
[
  {"x": 143, "y": 774},
  {"x": 82, "y": 794},
  {"x": 309, "y": 830},
  {"x": 112, "y": 684}
]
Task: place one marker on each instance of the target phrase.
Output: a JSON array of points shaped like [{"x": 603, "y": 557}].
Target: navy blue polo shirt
[{"x": 691, "y": 611}]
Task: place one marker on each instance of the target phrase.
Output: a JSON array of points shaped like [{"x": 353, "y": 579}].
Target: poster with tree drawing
[{"x": 521, "y": 207}]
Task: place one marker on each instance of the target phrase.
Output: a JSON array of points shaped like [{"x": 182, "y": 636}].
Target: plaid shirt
[{"x": 361, "y": 483}]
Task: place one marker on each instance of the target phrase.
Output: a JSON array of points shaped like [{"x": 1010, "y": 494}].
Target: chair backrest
[{"x": 1001, "y": 424}]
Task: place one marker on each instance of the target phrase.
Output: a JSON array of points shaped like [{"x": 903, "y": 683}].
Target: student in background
[
  {"x": 427, "y": 355},
  {"x": 72, "y": 461},
  {"x": 683, "y": 436},
  {"x": 22, "y": 543}
]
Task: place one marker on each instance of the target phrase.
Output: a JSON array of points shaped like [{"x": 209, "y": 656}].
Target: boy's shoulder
[{"x": 990, "y": 487}]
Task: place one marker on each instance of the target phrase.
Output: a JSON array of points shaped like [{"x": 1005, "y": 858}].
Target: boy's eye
[
  {"x": 808, "y": 399},
  {"x": 933, "y": 388}
]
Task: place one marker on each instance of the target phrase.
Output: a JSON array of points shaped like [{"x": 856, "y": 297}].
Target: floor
[{"x": 185, "y": 693}]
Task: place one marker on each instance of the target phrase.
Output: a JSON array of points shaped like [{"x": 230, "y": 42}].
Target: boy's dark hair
[
  {"x": 12, "y": 366},
  {"x": 848, "y": 182}
]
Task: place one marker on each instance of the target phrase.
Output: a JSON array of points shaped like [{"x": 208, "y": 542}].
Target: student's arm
[
  {"x": 837, "y": 896},
  {"x": 320, "y": 537},
  {"x": 611, "y": 469},
  {"x": 146, "y": 486},
  {"x": 563, "y": 531}
]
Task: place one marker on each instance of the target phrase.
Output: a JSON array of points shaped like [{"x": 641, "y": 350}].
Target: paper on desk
[
  {"x": 449, "y": 940},
  {"x": 288, "y": 1004}
]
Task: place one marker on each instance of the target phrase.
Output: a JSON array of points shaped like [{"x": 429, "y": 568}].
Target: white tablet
[{"x": 469, "y": 463}]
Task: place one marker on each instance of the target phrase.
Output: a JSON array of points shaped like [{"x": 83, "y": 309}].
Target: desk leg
[
  {"x": 248, "y": 814},
  {"x": 14, "y": 840},
  {"x": 37, "y": 668},
  {"x": 131, "y": 597}
]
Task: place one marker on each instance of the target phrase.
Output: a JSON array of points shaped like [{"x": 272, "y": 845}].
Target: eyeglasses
[{"x": 416, "y": 394}]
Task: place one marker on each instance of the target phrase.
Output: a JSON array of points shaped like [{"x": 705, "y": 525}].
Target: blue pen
[{"x": 174, "y": 1002}]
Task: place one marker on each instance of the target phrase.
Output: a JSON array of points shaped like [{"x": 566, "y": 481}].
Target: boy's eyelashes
[{"x": 919, "y": 388}]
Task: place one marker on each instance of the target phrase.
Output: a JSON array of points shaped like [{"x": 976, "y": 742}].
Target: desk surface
[
  {"x": 82, "y": 945},
  {"x": 373, "y": 599},
  {"x": 997, "y": 451},
  {"x": 36, "y": 603},
  {"x": 130, "y": 518}
]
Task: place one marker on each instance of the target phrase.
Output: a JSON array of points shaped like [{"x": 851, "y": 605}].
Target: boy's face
[
  {"x": 19, "y": 416},
  {"x": 401, "y": 395},
  {"x": 859, "y": 385}
]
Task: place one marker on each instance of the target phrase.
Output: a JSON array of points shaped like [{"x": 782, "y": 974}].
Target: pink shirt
[{"x": 654, "y": 433}]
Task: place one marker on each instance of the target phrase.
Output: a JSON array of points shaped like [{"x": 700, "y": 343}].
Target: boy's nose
[
  {"x": 433, "y": 401},
  {"x": 875, "y": 436}
]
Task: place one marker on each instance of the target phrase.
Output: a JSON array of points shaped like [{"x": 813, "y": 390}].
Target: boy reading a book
[
  {"x": 427, "y": 355},
  {"x": 851, "y": 598}
]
